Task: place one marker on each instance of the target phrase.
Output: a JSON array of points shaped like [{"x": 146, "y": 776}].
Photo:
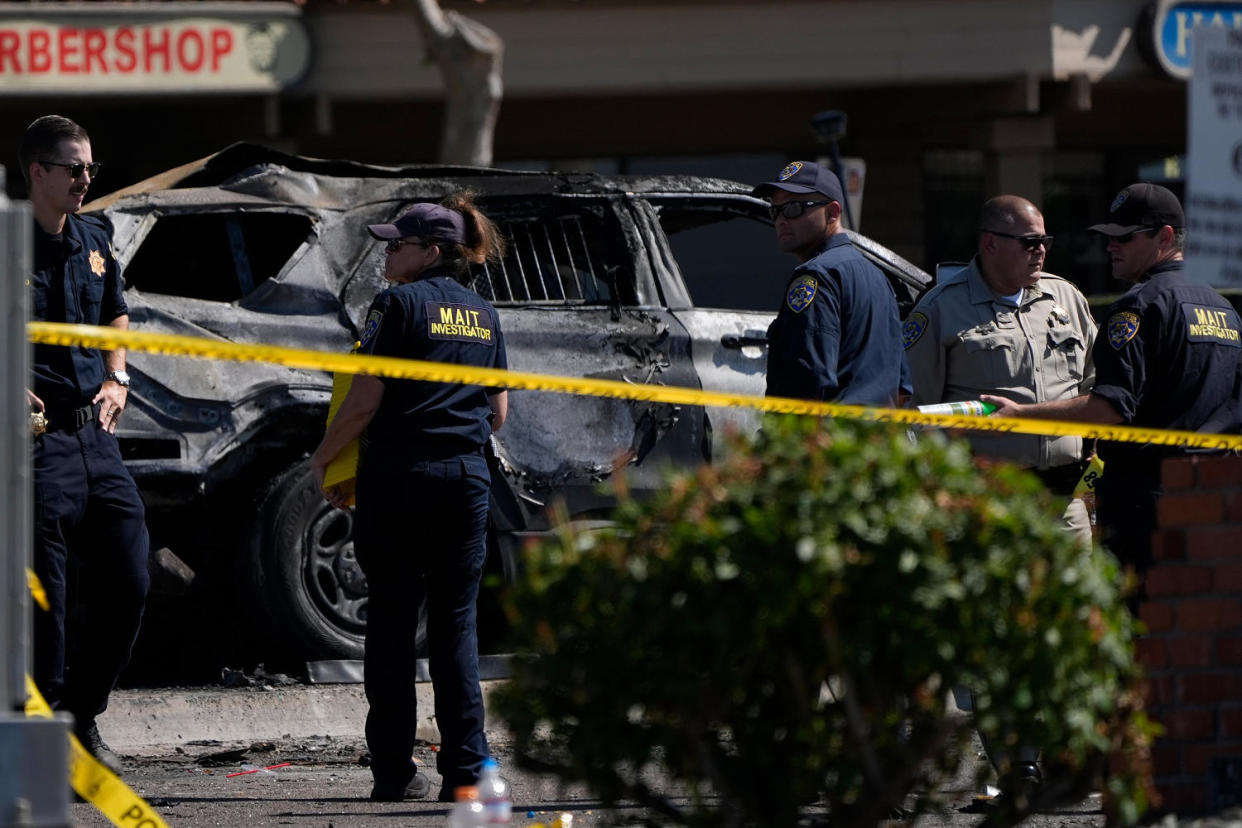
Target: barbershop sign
[
  {"x": 1164, "y": 30},
  {"x": 117, "y": 48}
]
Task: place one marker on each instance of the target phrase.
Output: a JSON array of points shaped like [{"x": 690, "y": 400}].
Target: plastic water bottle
[
  {"x": 968, "y": 408},
  {"x": 494, "y": 791},
  {"x": 467, "y": 810}
]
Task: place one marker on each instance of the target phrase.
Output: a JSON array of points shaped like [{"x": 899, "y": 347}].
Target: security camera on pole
[{"x": 829, "y": 128}]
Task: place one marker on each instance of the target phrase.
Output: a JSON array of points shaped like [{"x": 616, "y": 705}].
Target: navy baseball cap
[
  {"x": 423, "y": 221},
  {"x": 803, "y": 177},
  {"x": 1142, "y": 206}
]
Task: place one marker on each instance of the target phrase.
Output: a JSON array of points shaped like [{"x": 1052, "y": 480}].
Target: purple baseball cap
[
  {"x": 423, "y": 221},
  {"x": 803, "y": 177}
]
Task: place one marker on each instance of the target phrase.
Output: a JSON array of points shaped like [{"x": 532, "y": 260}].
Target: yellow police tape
[
  {"x": 107, "y": 338},
  {"x": 37, "y": 592},
  {"x": 95, "y": 783},
  {"x": 92, "y": 781}
]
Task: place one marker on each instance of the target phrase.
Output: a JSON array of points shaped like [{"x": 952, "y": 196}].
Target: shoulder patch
[
  {"x": 97, "y": 263},
  {"x": 1121, "y": 328},
  {"x": 372, "y": 326},
  {"x": 916, "y": 323},
  {"x": 801, "y": 293}
]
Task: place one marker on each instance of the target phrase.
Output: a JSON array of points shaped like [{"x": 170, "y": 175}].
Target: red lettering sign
[
  {"x": 152, "y": 48},
  {"x": 67, "y": 51},
  {"x": 126, "y": 57},
  {"x": 190, "y": 50},
  {"x": 139, "y": 53},
  {"x": 94, "y": 41},
  {"x": 10, "y": 42},
  {"x": 221, "y": 45},
  {"x": 40, "y": 57}
]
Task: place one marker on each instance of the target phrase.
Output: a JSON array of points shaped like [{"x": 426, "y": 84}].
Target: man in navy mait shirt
[
  {"x": 1169, "y": 356},
  {"x": 837, "y": 335}
]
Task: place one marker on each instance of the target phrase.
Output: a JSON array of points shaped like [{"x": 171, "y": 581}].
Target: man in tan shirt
[{"x": 1002, "y": 326}]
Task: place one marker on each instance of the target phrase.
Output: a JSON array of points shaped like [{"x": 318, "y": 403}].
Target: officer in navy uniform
[
  {"x": 89, "y": 516},
  {"x": 422, "y": 491},
  {"x": 837, "y": 335},
  {"x": 1170, "y": 357}
]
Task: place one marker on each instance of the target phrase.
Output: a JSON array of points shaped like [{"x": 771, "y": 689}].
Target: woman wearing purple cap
[{"x": 422, "y": 490}]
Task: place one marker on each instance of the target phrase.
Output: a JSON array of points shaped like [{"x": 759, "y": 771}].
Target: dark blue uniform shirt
[
  {"x": 89, "y": 293},
  {"x": 1170, "y": 356},
  {"x": 837, "y": 335},
  {"x": 438, "y": 320}
]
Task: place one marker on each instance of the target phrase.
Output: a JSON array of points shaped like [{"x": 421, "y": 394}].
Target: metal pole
[{"x": 34, "y": 760}]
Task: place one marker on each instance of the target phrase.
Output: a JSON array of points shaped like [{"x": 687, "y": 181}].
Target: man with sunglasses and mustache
[
  {"x": 1002, "y": 325},
  {"x": 837, "y": 335},
  {"x": 90, "y": 534},
  {"x": 1171, "y": 358}
]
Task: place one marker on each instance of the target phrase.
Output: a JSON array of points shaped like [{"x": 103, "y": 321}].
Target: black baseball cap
[
  {"x": 803, "y": 177},
  {"x": 423, "y": 221},
  {"x": 1142, "y": 206}
]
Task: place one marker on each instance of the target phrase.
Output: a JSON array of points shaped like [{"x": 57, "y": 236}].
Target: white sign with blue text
[{"x": 1214, "y": 181}]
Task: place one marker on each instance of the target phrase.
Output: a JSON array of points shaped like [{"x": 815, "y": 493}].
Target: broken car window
[
  {"x": 728, "y": 258},
  {"x": 547, "y": 260},
  {"x": 218, "y": 257}
]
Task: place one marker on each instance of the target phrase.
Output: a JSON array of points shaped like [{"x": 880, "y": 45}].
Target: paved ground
[
  {"x": 327, "y": 786},
  {"x": 180, "y": 745}
]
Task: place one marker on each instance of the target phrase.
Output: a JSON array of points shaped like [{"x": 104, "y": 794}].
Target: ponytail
[{"x": 484, "y": 243}]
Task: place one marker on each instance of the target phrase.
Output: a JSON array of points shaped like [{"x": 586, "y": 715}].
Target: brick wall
[{"x": 1193, "y": 650}]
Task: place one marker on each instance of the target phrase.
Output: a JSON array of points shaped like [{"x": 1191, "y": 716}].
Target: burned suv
[{"x": 606, "y": 277}]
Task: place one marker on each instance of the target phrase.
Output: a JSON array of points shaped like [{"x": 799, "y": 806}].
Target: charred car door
[{"x": 723, "y": 250}]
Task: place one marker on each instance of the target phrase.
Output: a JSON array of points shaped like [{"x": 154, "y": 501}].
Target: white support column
[{"x": 34, "y": 760}]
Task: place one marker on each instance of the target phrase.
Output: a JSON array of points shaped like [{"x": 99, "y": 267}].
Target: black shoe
[
  {"x": 1030, "y": 775},
  {"x": 88, "y": 734},
  {"x": 417, "y": 788},
  {"x": 1029, "y": 780}
]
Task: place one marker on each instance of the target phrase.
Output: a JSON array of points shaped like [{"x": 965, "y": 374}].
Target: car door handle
[{"x": 738, "y": 342}]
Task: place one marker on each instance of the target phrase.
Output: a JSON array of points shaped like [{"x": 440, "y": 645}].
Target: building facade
[{"x": 948, "y": 101}]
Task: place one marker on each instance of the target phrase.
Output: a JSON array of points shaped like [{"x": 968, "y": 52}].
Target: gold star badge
[{"x": 97, "y": 263}]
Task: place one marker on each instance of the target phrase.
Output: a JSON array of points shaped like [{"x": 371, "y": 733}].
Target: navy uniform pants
[
  {"x": 1127, "y": 511},
  {"x": 86, "y": 508},
  {"x": 420, "y": 533}
]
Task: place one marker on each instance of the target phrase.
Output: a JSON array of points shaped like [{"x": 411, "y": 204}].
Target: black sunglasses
[
  {"x": 1031, "y": 243},
  {"x": 393, "y": 245},
  {"x": 793, "y": 209},
  {"x": 75, "y": 170},
  {"x": 1129, "y": 237}
]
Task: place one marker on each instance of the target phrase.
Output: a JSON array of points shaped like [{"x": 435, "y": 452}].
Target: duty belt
[
  {"x": 70, "y": 419},
  {"x": 1061, "y": 480}
]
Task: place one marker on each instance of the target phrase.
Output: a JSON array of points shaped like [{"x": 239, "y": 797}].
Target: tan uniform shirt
[{"x": 962, "y": 341}]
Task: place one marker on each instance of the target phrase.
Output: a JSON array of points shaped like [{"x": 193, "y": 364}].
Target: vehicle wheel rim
[{"x": 335, "y": 582}]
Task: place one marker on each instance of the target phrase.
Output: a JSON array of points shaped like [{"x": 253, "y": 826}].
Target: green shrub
[{"x": 789, "y": 623}]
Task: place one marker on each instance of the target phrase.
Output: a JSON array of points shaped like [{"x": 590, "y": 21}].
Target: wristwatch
[{"x": 119, "y": 377}]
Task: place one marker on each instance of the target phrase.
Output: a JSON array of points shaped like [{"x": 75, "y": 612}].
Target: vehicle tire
[{"x": 309, "y": 591}]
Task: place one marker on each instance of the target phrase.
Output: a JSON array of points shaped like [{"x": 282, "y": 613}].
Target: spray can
[{"x": 966, "y": 408}]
